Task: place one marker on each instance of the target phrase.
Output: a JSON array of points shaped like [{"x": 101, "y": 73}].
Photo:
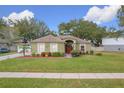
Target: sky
[{"x": 54, "y": 15}]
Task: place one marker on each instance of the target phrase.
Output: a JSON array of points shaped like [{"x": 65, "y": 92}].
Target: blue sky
[{"x": 54, "y": 15}]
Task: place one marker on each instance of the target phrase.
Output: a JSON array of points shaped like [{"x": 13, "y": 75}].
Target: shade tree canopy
[
  {"x": 84, "y": 30},
  {"x": 30, "y": 28}
]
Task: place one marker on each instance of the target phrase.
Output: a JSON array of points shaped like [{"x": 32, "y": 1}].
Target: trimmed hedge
[
  {"x": 49, "y": 54},
  {"x": 75, "y": 54},
  {"x": 57, "y": 54},
  {"x": 99, "y": 54}
]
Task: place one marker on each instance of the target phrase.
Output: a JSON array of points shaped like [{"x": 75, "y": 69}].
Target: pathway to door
[{"x": 62, "y": 75}]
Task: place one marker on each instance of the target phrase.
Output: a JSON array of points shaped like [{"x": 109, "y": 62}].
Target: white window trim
[
  {"x": 84, "y": 47},
  {"x": 40, "y": 47},
  {"x": 74, "y": 43},
  {"x": 52, "y": 48}
]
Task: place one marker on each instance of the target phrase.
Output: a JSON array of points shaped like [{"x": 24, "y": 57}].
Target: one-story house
[
  {"x": 62, "y": 44},
  {"x": 113, "y": 44}
]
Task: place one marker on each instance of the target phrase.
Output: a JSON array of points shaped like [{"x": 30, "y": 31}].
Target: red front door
[{"x": 68, "y": 49}]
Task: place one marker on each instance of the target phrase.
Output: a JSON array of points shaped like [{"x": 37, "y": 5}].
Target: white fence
[{"x": 97, "y": 49}]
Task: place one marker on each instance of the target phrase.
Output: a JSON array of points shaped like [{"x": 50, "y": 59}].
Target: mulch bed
[{"x": 38, "y": 57}]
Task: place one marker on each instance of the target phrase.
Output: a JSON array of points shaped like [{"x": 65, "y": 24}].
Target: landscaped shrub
[
  {"x": 33, "y": 54},
  {"x": 38, "y": 55},
  {"x": 82, "y": 53},
  {"x": 75, "y": 54},
  {"x": 49, "y": 54},
  {"x": 99, "y": 54},
  {"x": 57, "y": 54},
  {"x": 46, "y": 54},
  {"x": 87, "y": 53},
  {"x": 43, "y": 54},
  {"x": 91, "y": 52}
]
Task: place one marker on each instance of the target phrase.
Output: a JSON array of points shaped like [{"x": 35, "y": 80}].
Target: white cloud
[
  {"x": 18, "y": 16},
  {"x": 99, "y": 15}
]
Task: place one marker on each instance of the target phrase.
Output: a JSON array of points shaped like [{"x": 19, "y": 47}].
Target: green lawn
[
  {"x": 60, "y": 83},
  {"x": 109, "y": 62},
  {"x": 3, "y": 54}
]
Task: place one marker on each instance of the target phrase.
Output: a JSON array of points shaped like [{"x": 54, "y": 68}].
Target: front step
[{"x": 68, "y": 55}]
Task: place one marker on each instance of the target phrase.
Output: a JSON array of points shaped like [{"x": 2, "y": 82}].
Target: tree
[
  {"x": 84, "y": 30},
  {"x": 7, "y": 33},
  {"x": 120, "y": 16},
  {"x": 2, "y": 23},
  {"x": 25, "y": 28},
  {"x": 2, "y": 26},
  {"x": 41, "y": 29},
  {"x": 54, "y": 33},
  {"x": 31, "y": 29},
  {"x": 113, "y": 32}
]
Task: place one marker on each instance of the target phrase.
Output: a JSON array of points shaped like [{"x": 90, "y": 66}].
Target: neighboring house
[
  {"x": 19, "y": 47},
  {"x": 62, "y": 44},
  {"x": 3, "y": 43},
  {"x": 113, "y": 44}
]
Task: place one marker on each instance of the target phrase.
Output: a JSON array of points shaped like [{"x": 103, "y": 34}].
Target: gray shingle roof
[
  {"x": 47, "y": 39},
  {"x": 75, "y": 38},
  {"x": 54, "y": 39}
]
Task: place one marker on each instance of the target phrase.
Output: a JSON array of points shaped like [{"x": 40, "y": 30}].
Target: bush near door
[{"x": 57, "y": 54}]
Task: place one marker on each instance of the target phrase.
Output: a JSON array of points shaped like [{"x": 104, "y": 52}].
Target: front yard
[
  {"x": 60, "y": 83},
  {"x": 107, "y": 63}
]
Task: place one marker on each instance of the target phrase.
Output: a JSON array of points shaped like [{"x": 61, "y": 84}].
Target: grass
[
  {"x": 108, "y": 62},
  {"x": 60, "y": 83},
  {"x": 4, "y": 54}
]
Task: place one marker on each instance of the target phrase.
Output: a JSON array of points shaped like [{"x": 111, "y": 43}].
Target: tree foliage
[
  {"x": 2, "y": 26},
  {"x": 120, "y": 16},
  {"x": 84, "y": 30},
  {"x": 41, "y": 29},
  {"x": 31, "y": 29}
]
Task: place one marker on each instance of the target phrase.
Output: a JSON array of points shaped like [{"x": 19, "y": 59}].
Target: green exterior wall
[
  {"x": 88, "y": 47},
  {"x": 61, "y": 47},
  {"x": 34, "y": 47},
  {"x": 47, "y": 47}
]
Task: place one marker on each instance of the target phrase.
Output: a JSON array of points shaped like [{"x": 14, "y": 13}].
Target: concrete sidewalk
[
  {"x": 62, "y": 75},
  {"x": 10, "y": 56}
]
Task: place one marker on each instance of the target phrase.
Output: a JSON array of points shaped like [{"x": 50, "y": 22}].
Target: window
[
  {"x": 53, "y": 47},
  {"x": 82, "y": 48},
  {"x": 40, "y": 47}
]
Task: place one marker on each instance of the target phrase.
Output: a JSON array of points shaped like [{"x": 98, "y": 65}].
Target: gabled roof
[
  {"x": 55, "y": 39},
  {"x": 72, "y": 37},
  {"x": 48, "y": 39}
]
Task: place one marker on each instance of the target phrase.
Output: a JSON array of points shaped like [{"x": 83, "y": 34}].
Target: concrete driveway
[{"x": 10, "y": 56}]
